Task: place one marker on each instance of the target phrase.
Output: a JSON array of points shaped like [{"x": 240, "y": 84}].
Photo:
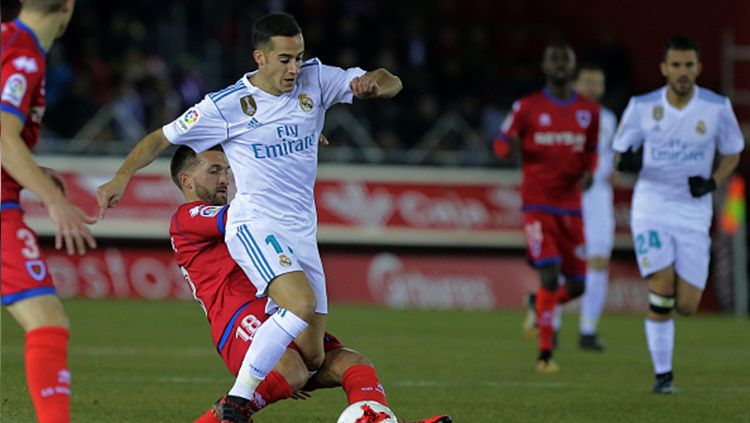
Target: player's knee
[
  {"x": 686, "y": 308},
  {"x": 303, "y": 307},
  {"x": 575, "y": 288},
  {"x": 314, "y": 362},
  {"x": 660, "y": 305}
]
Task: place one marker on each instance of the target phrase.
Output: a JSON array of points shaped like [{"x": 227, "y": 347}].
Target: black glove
[
  {"x": 701, "y": 186},
  {"x": 631, "y": 161}
]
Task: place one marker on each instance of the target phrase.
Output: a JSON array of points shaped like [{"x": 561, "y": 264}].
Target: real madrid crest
[
  {"x": 646, "y": 263},
  {"x": 248, "y": 105},
  {"x": 700, "y": 127},
  {"x": 657, "y": 113},
  {"x": 305, "y": 102},
  {"x": 284, "y": 260}
]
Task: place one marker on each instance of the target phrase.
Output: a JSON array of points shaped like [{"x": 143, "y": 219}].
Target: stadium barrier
[{"x": 402, "y": 237}]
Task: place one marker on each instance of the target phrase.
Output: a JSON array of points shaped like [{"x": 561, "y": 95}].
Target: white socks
[
  {"x": 660, "y": 339},
  {"x": 268, "y": 345},
  {"x": 593, "y": 300}
]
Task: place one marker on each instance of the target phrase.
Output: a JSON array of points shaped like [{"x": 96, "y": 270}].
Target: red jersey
[
  {"x": 23, "y": 70},
  {"x": 219, "y": 285},
  {"x": 558, "y": 144}
]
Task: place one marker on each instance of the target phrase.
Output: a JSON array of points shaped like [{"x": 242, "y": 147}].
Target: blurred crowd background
[{"x": 126, "y": 68}]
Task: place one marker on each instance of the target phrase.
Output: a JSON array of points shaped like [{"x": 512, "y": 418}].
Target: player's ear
[
  {"x": 186, "y": 182},
  {"x": 259, "y": 58},
  {"x": 699, "y": 67},
  {"x": 664, "y": 68}
]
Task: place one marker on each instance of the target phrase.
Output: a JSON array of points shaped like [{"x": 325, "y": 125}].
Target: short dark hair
[
  {"x": 273, "y": 25},
  {"x": 682, "y": 43},
  {"x": 185, "y": 157},
  {"x": 558, "y": 45}
]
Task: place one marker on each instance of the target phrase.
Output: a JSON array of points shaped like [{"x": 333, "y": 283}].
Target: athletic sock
[
  {"x": 660, "y": 339},
  {"x": 557, "y": 318},
  {"x": 361, "y": 384},
  {"x": 208, "y": 417},
  {"x": 47, "y": 373},
  {"x": 593, "y": 300},
  {"x": 269, "y": 343},
  {"x": 562, "y": 295},
  {"x": 545, "y": 308},
  {"x": 273, "y": 388}
]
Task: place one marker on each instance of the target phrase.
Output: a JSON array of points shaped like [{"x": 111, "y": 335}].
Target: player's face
[
  {"x": 681, "y": 68},
  {"x": 65, "y": 14},
  {"x": 559, "y": 64},
  {"x": 280, "y": 62},
  {"x": 211, "y": 177},
  {"x": 590, "y": 83}
]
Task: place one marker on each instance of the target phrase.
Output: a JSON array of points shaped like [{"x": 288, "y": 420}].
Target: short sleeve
[
  {"x": 512, "y": 126},
  {"x": 200, "y": 127},
  {"x": 334, "y": 84},
  {"x": 629, "y": 134},
  {"x": 21, "y": 76},
  {"x": 730, "y": 140},
  {"x": 199, "y": 222}
]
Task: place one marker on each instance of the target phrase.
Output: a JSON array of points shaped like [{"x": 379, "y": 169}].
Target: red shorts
[
  {"x": 556, "y": 238},
  {"x": 239, "y": 338},
  {"x": 24, "y": 270}
]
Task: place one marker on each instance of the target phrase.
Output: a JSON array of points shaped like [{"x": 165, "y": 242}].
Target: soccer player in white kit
[
  {"x": 598, "y": 213},
  {"x": 681, "y": 127},
  {"x": 269, "y": 123}
]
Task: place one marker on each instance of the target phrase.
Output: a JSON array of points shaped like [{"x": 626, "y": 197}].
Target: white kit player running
[
  {"x": 598, "y": 213},
  {"x": 269, "y": 123},
  {"x": 680, "y": 127}
]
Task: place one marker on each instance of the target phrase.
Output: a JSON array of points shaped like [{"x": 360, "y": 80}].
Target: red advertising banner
[
  {"x": 356, "y": 205},
  {"x": 455, "y": 282}
]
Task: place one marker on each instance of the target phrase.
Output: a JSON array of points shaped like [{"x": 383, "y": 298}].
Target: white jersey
[
  {"x": 271, "y": 142},
  {"x": 607, "y": 127},
  {"x": 677, "y": 144}
]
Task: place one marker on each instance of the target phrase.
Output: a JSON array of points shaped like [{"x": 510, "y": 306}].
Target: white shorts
[
  {"x": 658, "y": 246},
  {"x": 264, "y": 251},
  {"x": 598, "y": 220}
]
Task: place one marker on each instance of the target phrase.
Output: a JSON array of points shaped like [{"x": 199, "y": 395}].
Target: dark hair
[
  {"x": 682, "y": 43},
  {"x": 185, "y": 158},
  {"x": 275, "y": 24},
  {"x": 590, "y": 66},
  {"x": 558, "y": 45}
]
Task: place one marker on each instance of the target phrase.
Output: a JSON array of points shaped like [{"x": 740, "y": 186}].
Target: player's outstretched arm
[
  {"x": 70, "y": 222},
  {"x": 147, "y": 149},
  {"x": 727, "y": 165},
  {"x": 376, "y": 84}
]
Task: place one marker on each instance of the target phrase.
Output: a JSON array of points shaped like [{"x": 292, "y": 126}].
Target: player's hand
[
  {"x": 71, "y": 230},
  {"x": 109, "y": 194},
  {"x": 323, "y": 140},
  {"x": 364, "y": 87},
  {"x": 57, "y": 179},
  {"x": 586, "y": 181},
  {"x": 700, "y": 186}
]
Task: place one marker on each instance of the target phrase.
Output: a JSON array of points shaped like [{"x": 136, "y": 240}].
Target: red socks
[
  {"x": 361, "y": 384},
  {"x": 545, "y": 311},
  {"x": 47, "y": 373},
  {"x": 273, "y": 388}
]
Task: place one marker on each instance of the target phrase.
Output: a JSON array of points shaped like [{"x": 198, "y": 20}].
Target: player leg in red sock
[{"x": 47, "y": 373}]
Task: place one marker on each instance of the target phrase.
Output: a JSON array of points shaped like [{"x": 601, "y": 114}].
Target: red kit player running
[
  {"x": 27, "y": 288},
  {"x": 229, "y": 300},
  {"x": 557, "y": 131}
]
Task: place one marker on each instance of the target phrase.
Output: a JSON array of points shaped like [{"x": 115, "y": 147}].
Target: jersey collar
[
  {"x": 687, "y": 106},
  {"x": 25, "y": 27},
  {"x": 559, "y": 101}
]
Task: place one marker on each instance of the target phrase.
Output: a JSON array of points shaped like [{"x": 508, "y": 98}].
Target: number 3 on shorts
[{"x": 641, "y": 247}]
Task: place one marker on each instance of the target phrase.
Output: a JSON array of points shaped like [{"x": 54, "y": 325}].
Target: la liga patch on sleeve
[{"x": 14, "y": 89}]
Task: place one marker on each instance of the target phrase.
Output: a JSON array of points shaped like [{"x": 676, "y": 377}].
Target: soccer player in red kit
[
  {"x": 557, "y": 131},
  {"x": 229, "y": 300},
  {"x": 27, "y": 289}
]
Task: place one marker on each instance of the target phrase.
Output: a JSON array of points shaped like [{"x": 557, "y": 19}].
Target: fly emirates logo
[
  {"x": 288, "y": 142},
  {"x": 566, "y": 138}
]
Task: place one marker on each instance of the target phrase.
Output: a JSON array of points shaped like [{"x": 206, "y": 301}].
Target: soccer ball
[{"x": 367, "y": 412}]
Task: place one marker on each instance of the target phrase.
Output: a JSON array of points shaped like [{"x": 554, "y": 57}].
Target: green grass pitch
[{"x": 137, "y": 361}]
